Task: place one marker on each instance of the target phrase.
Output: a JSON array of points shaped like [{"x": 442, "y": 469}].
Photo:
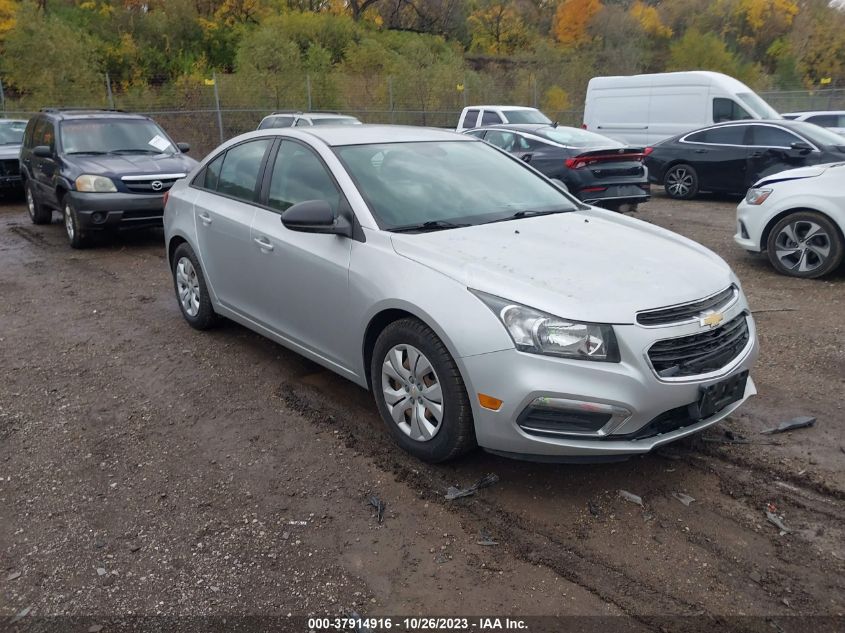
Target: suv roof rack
[
  {"x": 285, "y": 112},
  {"x": 81, "y": 110}
]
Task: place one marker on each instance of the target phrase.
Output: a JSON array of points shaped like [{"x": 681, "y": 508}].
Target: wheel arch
[
  {"x": 175, "y": 242},
  {"x": 764, "y": 237}
]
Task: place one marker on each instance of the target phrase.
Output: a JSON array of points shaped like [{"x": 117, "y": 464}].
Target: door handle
[
  {"x": 263, "y": 243},
  {"x": 206, "y": 219},
  {"x": 701, "y": 151},
  {"x": 756, "y": 154}
]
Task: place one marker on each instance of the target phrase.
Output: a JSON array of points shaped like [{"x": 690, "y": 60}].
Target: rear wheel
[
  {"x": 420, "y": 393},
  {"x": 191, "y": 289},
  {"x": 681, "y": 182},
  {"x": 38, "y": 213},
  {"x": 805, "y": 244}
]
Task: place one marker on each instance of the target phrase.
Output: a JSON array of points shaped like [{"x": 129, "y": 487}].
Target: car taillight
[
  {"x": 583, "y": 126},
  {"x": 571, "y": 163},
  {"x": 647, "y": 151},
  {"x": 164, "y": 198}
]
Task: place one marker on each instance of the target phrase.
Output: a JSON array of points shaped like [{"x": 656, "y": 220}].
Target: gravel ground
[{"x": 149, "y": 469}]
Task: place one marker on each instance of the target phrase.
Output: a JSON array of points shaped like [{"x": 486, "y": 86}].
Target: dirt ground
[{"x": 149, "y": 469}]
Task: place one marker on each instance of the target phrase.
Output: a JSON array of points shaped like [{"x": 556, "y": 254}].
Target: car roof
[
  {"x": 90, "y": 114},
  {"x": 2, "y": 121},
  {"x": 812, "y": 112},
  {"x": 499, "y": 107},
  {"x": 534, "y": 128},
  {"x": 339, "y": 135},
  {"x": 312, "y": 115}
]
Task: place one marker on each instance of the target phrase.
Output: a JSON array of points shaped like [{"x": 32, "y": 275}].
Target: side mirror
[
  {"x": 184, "y": 147},
  {"x": 42, "y": 151},
  {"x": 560, "y": 184},
  {"x": 316, "y": 216},
  {"x": 801, "y": 146}
]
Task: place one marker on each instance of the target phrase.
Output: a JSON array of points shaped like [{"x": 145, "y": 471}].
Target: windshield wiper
[
  {"x": 88, "y": 151},
  {"x": 529, "y": 213},
  {"x": 135, "y": 150},
  {"x": 430, "y": 225}
]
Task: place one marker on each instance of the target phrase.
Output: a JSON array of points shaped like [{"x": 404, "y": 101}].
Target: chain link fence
[{"x": 205, "y": 112}]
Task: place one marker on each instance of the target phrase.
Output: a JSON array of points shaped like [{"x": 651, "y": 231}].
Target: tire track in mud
[{"x": 533, "y": 542}]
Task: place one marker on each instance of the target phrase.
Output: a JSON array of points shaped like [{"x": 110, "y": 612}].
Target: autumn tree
[
  {"x": 497, "y": 28},
  {"x": 572, "y": 19}
]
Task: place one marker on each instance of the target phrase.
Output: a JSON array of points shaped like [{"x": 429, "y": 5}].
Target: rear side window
[
  {"x": 471, "y": 118},
  {"x": 728, "y": 110},
  {"x": 730, "y": 135},
  {"x": 768, "y": 136},
  {"x": 827, "y": 120},
  {"x": 504, "y": 140},
  {"x": 241, "y": 165},
  {"x": 302, "y": 123},
  {"x": 276, "y": 121},
  {"x": 490, "y": 118},
  {"x": 211, "y": 174},
  {"x": 477, "y": 133}
]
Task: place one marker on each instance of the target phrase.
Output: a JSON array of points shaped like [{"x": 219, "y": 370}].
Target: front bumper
[
  {"x": 11, "y": 182},
  {"x": 518, "y": 379},
  {"x": 117, "y": 210},
  {"x": 751, "y": 221}
]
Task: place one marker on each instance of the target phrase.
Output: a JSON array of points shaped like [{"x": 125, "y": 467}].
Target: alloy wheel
[
  {"x": 802, "y": 246},
  {"x": 30, "y": 203},
  {"x": 188, "y": 286},
  {"x": 71, "y": 230},
  {"x": 679, "y": 182},
  {"x": 412, "y": 392}
]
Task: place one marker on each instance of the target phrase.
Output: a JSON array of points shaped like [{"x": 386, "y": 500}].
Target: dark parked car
[
  {"x": 730, "y": 157},
  {"x": 102, "y": 169},
  {"x": 595, "y": 169},
  {"x": 11, "y": 137}
]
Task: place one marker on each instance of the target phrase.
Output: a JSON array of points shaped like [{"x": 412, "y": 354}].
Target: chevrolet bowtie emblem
[{"x": 711, "y": 319}]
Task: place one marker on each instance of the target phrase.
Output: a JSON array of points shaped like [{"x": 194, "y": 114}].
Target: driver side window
[
  {"x": 299, "y": 175},
  {"x": 728, "y": 110}
]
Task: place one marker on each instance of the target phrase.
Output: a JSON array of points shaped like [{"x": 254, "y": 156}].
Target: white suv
[
  {"x": 305, "y": 119},
  {"x": 479, "y": 116},
  {"x": 834, "y": 120},
  {"x": 798, "y": 218}
]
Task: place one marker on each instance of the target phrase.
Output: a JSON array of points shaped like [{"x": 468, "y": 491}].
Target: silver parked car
[{"x": 480, "y": 303}]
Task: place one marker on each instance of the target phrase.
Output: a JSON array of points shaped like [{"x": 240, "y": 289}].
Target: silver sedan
[{"x": 481, "y": 304}]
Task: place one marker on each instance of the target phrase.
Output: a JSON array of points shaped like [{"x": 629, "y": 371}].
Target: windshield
[
  {"x": 818, "y": 135},
  {"x": 758, "y": 106},
  {"x": 525, "y": 116},
  {"x": 346, "y": 120},
  {"x": 11, "y": 132},
  {"x": 461, "y": 182},
  {"x": 573, "y": 137},
  {"x": 114, "y": 136}
]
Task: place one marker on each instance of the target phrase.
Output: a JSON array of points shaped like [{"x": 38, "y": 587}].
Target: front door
[
  {"x": 771, "y": 151},
  {"x": 718, "y": 155},
  {"x": 304, "y": 277}
]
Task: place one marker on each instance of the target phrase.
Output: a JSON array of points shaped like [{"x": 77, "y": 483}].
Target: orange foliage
[{"x": 572, "y": 19}]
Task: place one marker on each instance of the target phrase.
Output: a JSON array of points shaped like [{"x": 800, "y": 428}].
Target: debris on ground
[
  {"x": 360, "y": 626},
  {"x": 801, "y": 422},
  {"x": 593, "y": 508},
  {"x": 486, "y": 539},
  {"x": 21, "y": 615},
  {"x": 629, "y": 496},
  {"x": 776, "y": 519},
  {"x": 485, "y": 482},
  {"x": 683, "y": 498},
  {"x": 14, "y": 575},
  {"x": 379, "y": 505}
]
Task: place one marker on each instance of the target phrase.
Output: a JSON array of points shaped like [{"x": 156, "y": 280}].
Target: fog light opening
[{"x": 98, "y": 217}]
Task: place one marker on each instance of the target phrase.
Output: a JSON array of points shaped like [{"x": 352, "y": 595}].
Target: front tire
[
  {"x": 38, "y": 213},
  {"x": 805, "y": 244},
  {"x": 681, "y": 182},
  {"x": 75, "y": 235},
  {"x": 191, "y": 289},
  {"x": 420, "y": 393}
]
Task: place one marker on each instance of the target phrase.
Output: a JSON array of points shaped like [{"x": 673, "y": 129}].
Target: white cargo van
[{"x": 644, "y": 109}]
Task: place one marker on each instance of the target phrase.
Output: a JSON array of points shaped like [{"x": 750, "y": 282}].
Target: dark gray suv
[{"x": 102, "y": 169}]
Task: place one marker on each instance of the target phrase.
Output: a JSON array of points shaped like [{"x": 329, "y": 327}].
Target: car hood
[
  {"x": 810, "y": 171},
  {"x": 9, "y": 151},
  {"x": 587, "y": 265},
  {"x": 127, "y": 165}
]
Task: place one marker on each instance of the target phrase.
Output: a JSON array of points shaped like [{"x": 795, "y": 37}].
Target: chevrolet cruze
[{"x": 479, "y": 302}]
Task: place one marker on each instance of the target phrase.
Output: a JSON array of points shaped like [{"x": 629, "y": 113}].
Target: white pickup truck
[{"x": 481, "y": 115}]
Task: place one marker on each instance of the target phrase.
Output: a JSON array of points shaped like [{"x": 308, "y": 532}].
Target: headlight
[
  {"x": 540, "y": 333},
  {"x": 757, "y": 196},
  {"x": 95, "y": 184}
]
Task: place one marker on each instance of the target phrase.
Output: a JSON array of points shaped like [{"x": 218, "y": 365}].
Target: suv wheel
[
  {"x": 805, "y": 244},
  {"x": 75, "y": 236},
  {"x": 420, "y": 393},
  {"x": 37, "y": 212},
  {"x": 681, "y": 182},
  {"x": 191, "y": 289}
]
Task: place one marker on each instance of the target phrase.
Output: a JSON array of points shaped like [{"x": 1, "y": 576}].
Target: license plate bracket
[{"x": 713, "y": 398}]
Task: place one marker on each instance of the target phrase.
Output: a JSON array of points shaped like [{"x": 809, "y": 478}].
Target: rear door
[
  {"x": 227, "y": 191},
  {"x": 771, "y": 151},
  {"x": 719, "y": 157},
  {"x": 303, "y": 291},
  {"x": 44, "y": 169}
]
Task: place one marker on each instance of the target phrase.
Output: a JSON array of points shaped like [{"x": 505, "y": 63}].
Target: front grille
[
  {"x": 700, "y": 353},
  {"x": 687, "y": 311},
  {"x": 146, "y": 186},
  {"x": 10, "y": 167}
]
